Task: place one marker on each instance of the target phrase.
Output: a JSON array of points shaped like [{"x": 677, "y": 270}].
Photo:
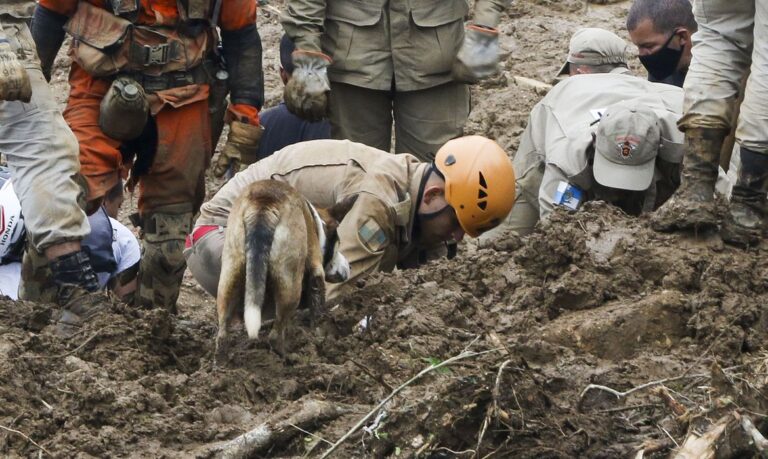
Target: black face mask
[{"x": 663, "y": 62}]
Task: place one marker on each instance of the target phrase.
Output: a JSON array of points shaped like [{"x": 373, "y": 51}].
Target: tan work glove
[
  {"x": 306, "y": 94},
  {"x": 478, "y": 57},
  {"x": 241, "y": 149},
  {"x": 14, "y": 80}
]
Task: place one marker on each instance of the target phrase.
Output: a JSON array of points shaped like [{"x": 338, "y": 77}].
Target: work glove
[
  {"x": 306, "y": 94},
  {"x": 14, "y": 80},
  {"x": 478, "y": 57},
  {"x": 241, "y": 149}
]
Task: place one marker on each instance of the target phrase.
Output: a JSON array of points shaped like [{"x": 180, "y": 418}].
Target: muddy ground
[{"x": 589, "y": 298}]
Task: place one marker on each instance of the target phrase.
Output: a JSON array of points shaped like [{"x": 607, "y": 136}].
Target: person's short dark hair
[
  {"x": 286, "y": 49},
  {"x": 115, "y": 192},
  {"x": 665, "y": 15}
]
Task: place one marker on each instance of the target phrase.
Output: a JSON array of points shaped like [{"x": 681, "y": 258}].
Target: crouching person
[
  {"x": 113, "y": 250},
  {"x": 609, "y": 137},
  {"x": 404, "y": 207}
]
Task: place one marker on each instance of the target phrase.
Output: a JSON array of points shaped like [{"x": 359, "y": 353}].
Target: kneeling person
[
  {"x": 404, "y": 207},
  {"x": 610, "y": 137}
]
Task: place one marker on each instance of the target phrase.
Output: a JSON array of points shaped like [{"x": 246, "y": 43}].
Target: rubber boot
[
  {"x": 162, "y": 263},
  {"x": 693, "y": 205},
  {"x": 745, "y": 221},
  {"x": 78, "y": 292}
]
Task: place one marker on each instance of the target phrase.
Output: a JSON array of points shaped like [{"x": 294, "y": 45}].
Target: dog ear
[{"x": 340, "y": 209}]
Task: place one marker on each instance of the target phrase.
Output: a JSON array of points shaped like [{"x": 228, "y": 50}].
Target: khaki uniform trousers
[
  {"x": 424, "y": 120},
  {"x": 42, "y": 153},
  {"x": 732, "y": 34}
]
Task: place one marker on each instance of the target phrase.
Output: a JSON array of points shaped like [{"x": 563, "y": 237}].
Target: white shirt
[{"x": 125, "y": 246}]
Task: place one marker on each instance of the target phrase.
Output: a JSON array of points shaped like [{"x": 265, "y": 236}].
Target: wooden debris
[
  {"x": 539, "y": 86},
  {"x": 279, "y": 428},
  {"x": 703, "y": 446}
]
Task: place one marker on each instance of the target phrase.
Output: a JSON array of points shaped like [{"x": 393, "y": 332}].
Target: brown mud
[
  {"x": 569, "y": 306},
  {"x": 589, "y": 298}
]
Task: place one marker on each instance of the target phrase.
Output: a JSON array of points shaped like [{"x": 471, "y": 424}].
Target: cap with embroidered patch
[
  {"x": 626, "y": 146},
  {"x": 594, "y": 46}
]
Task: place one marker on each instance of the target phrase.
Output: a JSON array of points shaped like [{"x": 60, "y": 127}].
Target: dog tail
[{"x": 259, "y": 234}]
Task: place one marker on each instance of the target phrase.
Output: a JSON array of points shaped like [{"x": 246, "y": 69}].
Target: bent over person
[
  {"x": 141, "y": 78},
  {"x": 600, "y": 136},
  {"x": 404, "y": 207},
  {"x": 42, "y": 155}
]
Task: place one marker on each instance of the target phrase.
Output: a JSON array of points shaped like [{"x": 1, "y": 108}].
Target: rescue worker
[
  {"x": 141, "y": 78},
  {"x": 594, "y": 50},
  {"x": 42, "y": 155},
  {"x": 281, "y": 127},
  {"x": 384, "y": 61},
  {"x": 599, "y": 136},
  {"x": 404, "y": 207},
  {"x": 662, "y": 30},
  {"x": 112, "y": 248},
  {"x": 731, "y": 37}
]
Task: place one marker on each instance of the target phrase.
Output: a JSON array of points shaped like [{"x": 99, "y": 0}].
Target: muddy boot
[
  {"x": 745, "y": 221},
  {"x": 162, "y": 263},
  {"x": 693, "y": 205},
  {"x": 36, "y": 279},
  {"x": 78, "y": 292}
]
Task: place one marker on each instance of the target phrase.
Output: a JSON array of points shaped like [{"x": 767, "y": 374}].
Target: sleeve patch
[{"x": 372, "y": 236}]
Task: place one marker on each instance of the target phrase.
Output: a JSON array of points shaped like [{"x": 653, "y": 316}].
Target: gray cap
[
  {"x": 593, "y": 46},
  {"x": 626, "y": 146}
]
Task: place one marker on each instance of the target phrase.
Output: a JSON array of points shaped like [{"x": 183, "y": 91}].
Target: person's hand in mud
[
  {"x": 14, "y": 80},
  {"x": 306, "y": 93},
  {"x": 478, "y": 57}
]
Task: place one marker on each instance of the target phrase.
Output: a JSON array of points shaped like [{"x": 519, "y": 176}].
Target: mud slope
[{"x": 591, "y": 298}]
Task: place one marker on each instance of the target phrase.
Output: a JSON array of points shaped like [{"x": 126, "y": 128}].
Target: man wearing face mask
[
  {"x": 403, "y": 208},
  {"x": 600, "y": 136},
  {"x": 661, "y": 30}
]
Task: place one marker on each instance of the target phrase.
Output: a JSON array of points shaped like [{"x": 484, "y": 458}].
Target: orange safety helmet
[{"x": 479, "y": 182}]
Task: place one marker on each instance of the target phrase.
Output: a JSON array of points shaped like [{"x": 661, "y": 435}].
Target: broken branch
[
  {"x": 429, "y": 369},
  {"x": 761, "y": 444},
  {"x": 279, "y": 428},
  {"x": 23, "y": 435},
  {"x": 669, "y": 401},
  {"x": 621, "y": 395}
]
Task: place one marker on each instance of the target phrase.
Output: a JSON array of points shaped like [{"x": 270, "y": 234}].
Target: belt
[
  {"x": 198, "y": 234},
  {"x": 170, "y": 80}
]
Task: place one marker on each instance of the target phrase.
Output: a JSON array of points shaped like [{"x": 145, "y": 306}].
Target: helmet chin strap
[{"x": 432, "y": 215}]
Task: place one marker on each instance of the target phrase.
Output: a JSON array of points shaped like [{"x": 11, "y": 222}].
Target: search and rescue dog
[{"x": 278, "y": 248}]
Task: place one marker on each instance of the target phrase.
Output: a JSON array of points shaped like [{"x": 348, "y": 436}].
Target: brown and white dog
[{"x": 278, "y": 248}]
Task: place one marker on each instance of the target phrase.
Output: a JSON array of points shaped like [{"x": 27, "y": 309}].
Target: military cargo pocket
[
  {"x": 438, "y": 12},
  {"x": 355, "y": 12},
  {"x": 437, "y": 35},
  {"x": 342, "y": 18}
]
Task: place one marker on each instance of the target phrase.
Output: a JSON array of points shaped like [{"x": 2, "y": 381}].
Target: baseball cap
[
  {"x": 626, "y": 146},
  {"x": 594, "y": 46}
]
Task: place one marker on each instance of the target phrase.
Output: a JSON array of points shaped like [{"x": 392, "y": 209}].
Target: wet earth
[{"x": 592, "y": 337}]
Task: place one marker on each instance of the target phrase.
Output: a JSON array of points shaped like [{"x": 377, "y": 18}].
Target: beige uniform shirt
[
  {"x": 554, "y": 145},
  {"x": 378, "y": 44},
  {"x": 376, "y": 233}
]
